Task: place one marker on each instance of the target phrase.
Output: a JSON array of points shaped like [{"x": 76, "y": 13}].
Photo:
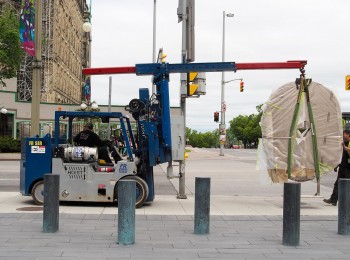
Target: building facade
[{"x": 65, "y": 51}]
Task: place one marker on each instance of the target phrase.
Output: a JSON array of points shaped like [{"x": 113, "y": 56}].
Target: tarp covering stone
[{"x": 276, "y": 122}]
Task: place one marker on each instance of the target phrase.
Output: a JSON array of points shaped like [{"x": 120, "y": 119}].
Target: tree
[
  {"x": 246, "y": 128},
  {"x": 206, "y": 140},
  {"x": 11, "y": 52}
]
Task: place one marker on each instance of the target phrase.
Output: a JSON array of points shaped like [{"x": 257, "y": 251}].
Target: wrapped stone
[{"x": 276, "y": 122}]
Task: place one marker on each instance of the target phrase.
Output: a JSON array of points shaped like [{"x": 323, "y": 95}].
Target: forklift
[{"x": 82, "y": 176}]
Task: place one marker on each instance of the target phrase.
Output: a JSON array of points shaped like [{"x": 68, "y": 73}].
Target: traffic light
[
  {"x": 347, "y": 82},
  {"x": 216, "y": 116},
  {"x": 241, "y": 86},
  {"x": 163, "y": 57}
]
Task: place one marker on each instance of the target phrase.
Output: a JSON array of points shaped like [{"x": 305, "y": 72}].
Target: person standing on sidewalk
[{"x": 343, "y": 168}]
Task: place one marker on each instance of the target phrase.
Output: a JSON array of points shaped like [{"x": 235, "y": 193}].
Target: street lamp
[
  {"x": 90, "y": 106},
  {"x": 222, "y": 126},
  {"x": 232, "y": 80},
  {"x": 3, "y": 110},
  {"x": 87, "y": 24}
]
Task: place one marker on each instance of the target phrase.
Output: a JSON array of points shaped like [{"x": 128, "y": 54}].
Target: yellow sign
[
  {"x": 35, "y": 143},
  {"x": 193, "y": 86},
  {"x": 193, "y": 75}
]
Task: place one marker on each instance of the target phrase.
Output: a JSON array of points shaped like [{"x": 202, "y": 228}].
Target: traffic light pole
[
  {"x": 182, "y": 164},
  {"x": 222, "y": 126}
]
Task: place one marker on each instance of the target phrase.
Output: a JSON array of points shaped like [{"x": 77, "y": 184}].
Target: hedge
[{"x": 9, "y": 145}]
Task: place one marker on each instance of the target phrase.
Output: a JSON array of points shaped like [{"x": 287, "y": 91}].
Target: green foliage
[
  {"x": 11, "y": 52},
  {"x": 202, "y": 140},
  {"x": 246, "y": 128},
  {"x": 243, "y": 129},
  {"x": 9, "y": 145}
]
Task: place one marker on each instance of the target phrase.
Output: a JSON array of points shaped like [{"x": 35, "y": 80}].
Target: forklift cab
[{"x": 83, "y": 177}]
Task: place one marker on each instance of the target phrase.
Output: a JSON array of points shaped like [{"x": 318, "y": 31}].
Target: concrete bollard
[
  {"x": 51, "y": 203},
  {"x": 202, "y": 206},
  {"x": 344, "y": 207},
  {"x": 291, "y": 214},
  {"x": 126, "y": 212}
]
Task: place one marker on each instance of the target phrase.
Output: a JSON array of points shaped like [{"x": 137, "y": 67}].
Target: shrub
[{"x": 9, "y": 145}]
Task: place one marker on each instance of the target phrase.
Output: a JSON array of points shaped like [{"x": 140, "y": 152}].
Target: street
[
  {"x": 243, "y": 158},
  {"x": 9, "y": 175},
  {"x": 250, "y": 156}
]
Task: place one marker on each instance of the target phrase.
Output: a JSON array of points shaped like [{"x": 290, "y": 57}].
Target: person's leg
[
  {"x": 334, "y": 197},
  {"x": 103, "y": 154},
  {"x": 115, "y": 154}
]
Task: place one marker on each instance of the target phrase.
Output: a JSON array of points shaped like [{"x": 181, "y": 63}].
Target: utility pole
[
  {"x": 182, "y": 187},
  {"x": 109, "y": 107},
  {"x": 37, "y": 65},
  {"x": 222, "y": 126},
  {"x": 154, "y": 39}
]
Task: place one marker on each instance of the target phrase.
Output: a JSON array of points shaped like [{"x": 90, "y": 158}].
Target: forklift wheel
[
  {"x": 141, "y": 190},
  {"x": 38, "y": 193}
]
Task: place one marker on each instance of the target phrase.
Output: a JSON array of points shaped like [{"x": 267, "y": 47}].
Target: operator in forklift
[{"x": 89, "y": 138}]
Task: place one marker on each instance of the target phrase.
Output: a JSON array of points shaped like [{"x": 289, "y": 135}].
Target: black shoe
[{"x": 329, "y": 201}]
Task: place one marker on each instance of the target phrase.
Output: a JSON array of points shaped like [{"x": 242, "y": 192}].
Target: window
[{"x": 6, "y": 125}]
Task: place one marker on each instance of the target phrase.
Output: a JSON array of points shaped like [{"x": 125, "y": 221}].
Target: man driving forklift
[{"x": 89, "y": 138}]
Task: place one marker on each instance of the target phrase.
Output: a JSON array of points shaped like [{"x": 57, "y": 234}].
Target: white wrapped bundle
[{"x": 276, "y": 123}]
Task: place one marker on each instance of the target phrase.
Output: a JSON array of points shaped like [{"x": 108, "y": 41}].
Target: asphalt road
[
  {"x": 250, "y": 156},
  {"x": 10, "y": 178},
  {"x": 10, "y": 172},
  {"x": 9, "y": 175}
]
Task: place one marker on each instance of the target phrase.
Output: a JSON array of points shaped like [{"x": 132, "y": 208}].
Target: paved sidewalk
[
  {"x": 10, "y": 156},
  {"x": 245, "y": 222}
]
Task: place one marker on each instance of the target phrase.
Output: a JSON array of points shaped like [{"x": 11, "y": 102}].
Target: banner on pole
[
  {"x": 26, "y": 26},
  {"x": 88, "y": 90}
]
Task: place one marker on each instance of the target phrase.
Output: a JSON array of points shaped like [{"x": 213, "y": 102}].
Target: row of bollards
[
  {"x": 127, "y": 198},
  {"x": 291, "y": 211},
  {"x": 126, "y": 208}
]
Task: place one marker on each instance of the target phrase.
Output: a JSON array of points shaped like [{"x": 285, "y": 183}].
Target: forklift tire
[
  {"x": 141, "y": 190},
  {"x": 38, "y": 193}
]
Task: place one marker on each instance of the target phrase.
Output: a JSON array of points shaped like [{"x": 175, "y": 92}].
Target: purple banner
[
  {"x": 88, "y": 90},
  {"x": 26, "y": 26}
]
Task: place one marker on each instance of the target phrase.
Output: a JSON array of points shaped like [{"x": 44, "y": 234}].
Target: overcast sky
[{"x": 260, "y": 31}]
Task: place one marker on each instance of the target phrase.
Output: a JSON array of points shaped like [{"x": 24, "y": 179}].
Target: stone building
[{"x": 65, "y": 51}]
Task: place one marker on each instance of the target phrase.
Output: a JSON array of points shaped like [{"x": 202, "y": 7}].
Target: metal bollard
[
  {"x": 291, "y": 214},
  {"x": 202, "y": 206},
  {"x": 344, "y": 207},
  {"x": 126, "y": 212},
  {"x": 51, "y": 203}
]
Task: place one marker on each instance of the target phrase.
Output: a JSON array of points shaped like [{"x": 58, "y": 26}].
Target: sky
[{"x": 260, "y": 31}]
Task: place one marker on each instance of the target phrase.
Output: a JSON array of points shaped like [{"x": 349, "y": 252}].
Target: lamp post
[
  {"x": 232, "y": 80},
  {"x": 154, "y": 90},
  {"x": 37, "y": 67},
  {"x": 222, "y": 126}
]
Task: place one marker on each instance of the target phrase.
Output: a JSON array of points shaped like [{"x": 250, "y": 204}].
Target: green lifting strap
[
  {"x": 304, "y": 88},
  {"x": 313, "y": 130},
  {"x": 292, "y": 130}
]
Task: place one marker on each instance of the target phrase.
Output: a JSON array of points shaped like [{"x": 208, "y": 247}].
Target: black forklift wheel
[
  {"x": 38, "y": 193},
  {"x": 141, "y": 190}
]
